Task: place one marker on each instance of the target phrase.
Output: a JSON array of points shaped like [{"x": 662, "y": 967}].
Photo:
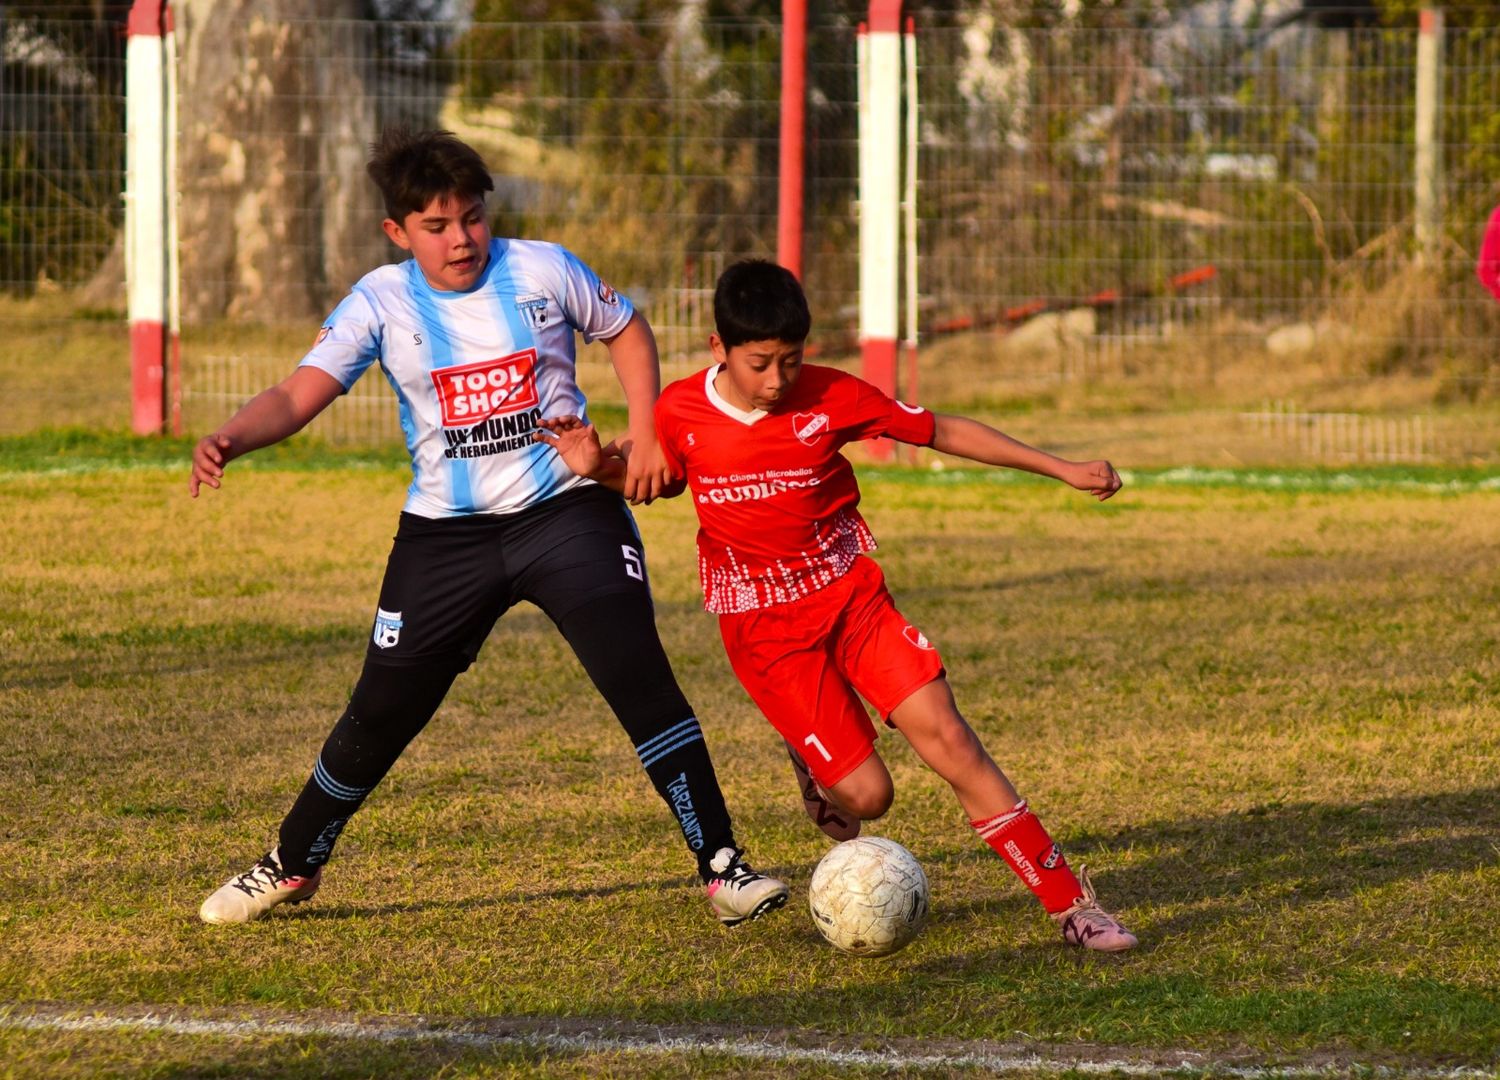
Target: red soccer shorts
[{"x": 802, "y": 663}]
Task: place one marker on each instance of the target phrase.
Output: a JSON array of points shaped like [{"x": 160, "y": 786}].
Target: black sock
[
  {"x": 615, "y": 639},
  {"x": 389, "y": 706}
]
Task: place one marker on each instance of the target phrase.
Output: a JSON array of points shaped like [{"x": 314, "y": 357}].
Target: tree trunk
[{"x": 276, "y": 111}]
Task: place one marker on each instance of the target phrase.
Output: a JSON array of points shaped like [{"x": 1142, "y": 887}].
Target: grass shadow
[{"x": 1221, "y": 868}]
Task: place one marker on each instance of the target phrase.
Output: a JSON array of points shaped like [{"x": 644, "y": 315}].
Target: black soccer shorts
[{"x": 449, "y": 579}]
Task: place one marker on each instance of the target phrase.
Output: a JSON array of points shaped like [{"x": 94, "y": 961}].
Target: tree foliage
[{"x": 61, "y": 141}]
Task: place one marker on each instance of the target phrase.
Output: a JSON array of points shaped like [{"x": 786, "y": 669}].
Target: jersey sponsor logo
[
  {"x": 492, "y": 435},
  {"x": 469, "y": 393},
  {"x": 766, "y": 485},
  {"x": 916, "y": 637},
  {"x": 809, "y": 427},
  {"x": 387, "y": 628},
  {"x": 608, "y": 295},
  {"x": 534, "y": 308},
  {"x": 1051, "y": 857}
]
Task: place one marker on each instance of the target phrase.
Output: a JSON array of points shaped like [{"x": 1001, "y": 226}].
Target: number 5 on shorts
[{"x": 633, "y": 564}]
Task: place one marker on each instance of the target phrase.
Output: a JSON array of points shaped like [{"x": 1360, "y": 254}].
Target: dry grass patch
[{"x": 1266, "y": 719}]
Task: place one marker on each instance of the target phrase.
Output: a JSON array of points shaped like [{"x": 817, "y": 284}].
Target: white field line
[
  {"x": 1185, "y": 476},
  {"x": 89, "y": 468},
  {"x": 996, "y": 1059}
]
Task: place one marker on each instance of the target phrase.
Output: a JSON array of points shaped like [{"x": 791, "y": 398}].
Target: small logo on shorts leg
[
  {"x": 387, "y": 628},
  {"x": 916, "y": 637}
]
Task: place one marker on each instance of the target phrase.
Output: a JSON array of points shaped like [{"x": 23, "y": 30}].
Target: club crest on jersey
[
  {"x": 387, "y": 628},
  {"x": 809, "y": 427},
  {"x": 916, "y": 637},
  {"x": 535, "y": 310},
  {"x": 608, "y": 295}
]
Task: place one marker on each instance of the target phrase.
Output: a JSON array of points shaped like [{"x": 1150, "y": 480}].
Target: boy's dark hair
[
  {"x": 756, "y": 300},
  {"x": 411, "y": 168}
]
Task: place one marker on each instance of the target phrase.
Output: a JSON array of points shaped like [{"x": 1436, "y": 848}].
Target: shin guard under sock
[
  {"x": 615, "y": 639},
  {"x": 676, "y": 759},
  {"x": 1019, "y": 838},
  {"x": 388, "y": 708}
]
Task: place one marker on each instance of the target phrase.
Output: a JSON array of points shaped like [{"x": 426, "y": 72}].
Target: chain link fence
[{"x": 1219, "y": 216}]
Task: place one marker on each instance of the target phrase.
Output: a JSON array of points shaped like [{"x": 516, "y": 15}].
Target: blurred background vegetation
[{"x": 1211, "y": 194}]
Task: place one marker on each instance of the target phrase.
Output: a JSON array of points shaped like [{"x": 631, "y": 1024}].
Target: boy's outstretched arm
[
  {"x": 633, "y": 353},
  {"x": 577, "y": 444},
  {"x": 267, "y": 418},
  {"x": 962, "y": 437}
]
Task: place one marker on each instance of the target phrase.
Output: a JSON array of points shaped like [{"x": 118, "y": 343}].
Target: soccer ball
[{"x": 868, "y": 896}]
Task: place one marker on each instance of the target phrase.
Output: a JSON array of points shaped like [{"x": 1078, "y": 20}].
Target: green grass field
[{"x": 1261, "y": 706}]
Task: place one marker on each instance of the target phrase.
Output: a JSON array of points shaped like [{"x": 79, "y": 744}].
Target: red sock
[{"x": 1018, "y": 838}]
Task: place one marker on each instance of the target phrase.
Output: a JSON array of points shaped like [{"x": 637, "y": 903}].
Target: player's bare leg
[
  {"x": 931, "y": 722},
  {"x": 866, "y": 791},
  {"x": 836, "y": 822}
]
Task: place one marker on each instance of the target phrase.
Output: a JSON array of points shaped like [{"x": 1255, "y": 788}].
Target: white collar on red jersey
[{"x": 734, "y": 412}]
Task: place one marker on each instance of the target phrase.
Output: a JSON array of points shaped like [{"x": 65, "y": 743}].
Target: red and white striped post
[
  {"x": 909, "y": 208},
  {"x": 151, "y": 218},
  {"x": 909, "y": 217},
  {"x": 879, "y": 54},
  {"x": 789, "y": 193}
]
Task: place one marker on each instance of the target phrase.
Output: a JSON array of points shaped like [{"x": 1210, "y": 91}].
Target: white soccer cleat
[
  {"x": 1089, "y": 926},
  {"x": 246, "y": 897},
  {"x": 737, "y": 893}
]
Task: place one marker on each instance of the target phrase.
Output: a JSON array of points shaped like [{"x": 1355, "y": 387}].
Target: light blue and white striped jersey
[{"x": 474, "y": 371}]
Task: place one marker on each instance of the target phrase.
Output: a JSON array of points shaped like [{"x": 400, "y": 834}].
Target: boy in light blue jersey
[{"x": 475, "y": 334}]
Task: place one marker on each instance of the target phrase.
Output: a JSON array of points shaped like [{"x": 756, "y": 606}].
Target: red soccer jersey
[
  {"x": 1489, "y": 255},
  {"x": 776, "y": 500}
]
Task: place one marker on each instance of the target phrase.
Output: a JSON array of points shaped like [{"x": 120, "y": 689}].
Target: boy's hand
[
  {"x": 646, "y": 471},
  {"x": 1098, "y": 478},
  {"x": 209, "y": 458},
  {"x": 576, "y": 443}
]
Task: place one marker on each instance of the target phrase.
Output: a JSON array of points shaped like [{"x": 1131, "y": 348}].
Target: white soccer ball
[{"x": 868, "y": 896}]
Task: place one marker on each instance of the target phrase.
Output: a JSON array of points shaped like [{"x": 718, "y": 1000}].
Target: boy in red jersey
[
  {"x": 1488, "y": 266},
  {"x": 804, "y": 613}
]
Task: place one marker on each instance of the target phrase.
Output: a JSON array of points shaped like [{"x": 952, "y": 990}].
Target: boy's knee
[{"x": 869, "y": 802}]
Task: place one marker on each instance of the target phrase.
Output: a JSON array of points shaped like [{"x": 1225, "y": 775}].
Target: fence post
[
  {"x": 1429, "y": 103},
  {"x": 880, "y": 201},
  {"x": 909, "y": 210},
  {"x": 151, "y": 218},
  {"x": 793, "y": 131}
]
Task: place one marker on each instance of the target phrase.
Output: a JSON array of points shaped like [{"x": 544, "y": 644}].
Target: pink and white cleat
[
  {"x": 737, "y": 893},
  {"x": 1089, "y": 926},
  {"x": 246, "y": 897}
]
